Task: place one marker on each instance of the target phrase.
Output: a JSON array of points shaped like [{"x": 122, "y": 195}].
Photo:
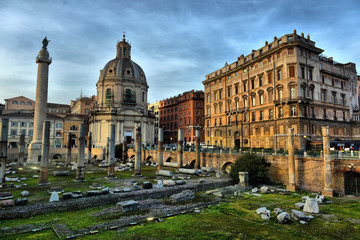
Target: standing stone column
[
  {"x": 328, "y": 190},
  {"x": 137, "y": 170},
  {"x": 197, "y": 165},
  {"x": 111, "y": 167},
  {"x": 68, "y": 154},
  {"x": 180, "y": 148},
  {"x": 21, "y": 150},
  {"x": 107, "y": 151},
  {"x": 291, "y": 161},
  {"x": 3, "y": 148},
  {"x": 43, "y": 60},
  {"x": 124, "y": 152},
  {"x": 160, "y": 149},
  {"x": 89, "y": 147},
  {"x": 44, "y": 164},
  {"x": 81, "y": 156}
]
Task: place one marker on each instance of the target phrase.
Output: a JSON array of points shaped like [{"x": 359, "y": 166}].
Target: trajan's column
[{"x": 43, "y": 60}]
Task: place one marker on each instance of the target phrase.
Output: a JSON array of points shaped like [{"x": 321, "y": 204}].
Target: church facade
[{"x": 121, "y": 100}]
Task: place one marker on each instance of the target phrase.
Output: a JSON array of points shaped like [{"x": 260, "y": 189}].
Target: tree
[{"x": 256, "y": 166}]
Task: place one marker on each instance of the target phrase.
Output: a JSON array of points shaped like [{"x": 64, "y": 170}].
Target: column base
[
  {"x": 291, "y": 188},
  {"x": 328, "y": 193},
  {"x": 110, "y": 177},
  {"x": 34, "y": 151},
  {"x": 137, "y": 174},
  {"x": 80, "y": 180},
  {"x": 43, "y": 183}
]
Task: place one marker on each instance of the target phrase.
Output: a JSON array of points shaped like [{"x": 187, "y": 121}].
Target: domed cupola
[{"x": 122, "y": 66}]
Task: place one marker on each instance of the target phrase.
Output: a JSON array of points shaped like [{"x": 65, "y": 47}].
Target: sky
[{"x": 176, "y": 42}]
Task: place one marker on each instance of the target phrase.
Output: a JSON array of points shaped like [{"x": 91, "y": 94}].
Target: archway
[
  {"x": 352, "y": 183},
  {"x": 169, "y": 159},
  {"x": 57, "y": 156},
  {"x": 132, "y": 157},
  {"x": 227, "y": 167},
  {"x": 149, "y": 160},
  {"x": 236, "y": 140},
  {"x": 192, "y": 164}
]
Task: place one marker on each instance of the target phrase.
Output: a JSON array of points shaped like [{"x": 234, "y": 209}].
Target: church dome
[{"x": 122, "y": 66}]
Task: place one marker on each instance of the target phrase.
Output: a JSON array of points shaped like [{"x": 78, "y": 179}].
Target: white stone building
[{"x": 121, "y": 100}]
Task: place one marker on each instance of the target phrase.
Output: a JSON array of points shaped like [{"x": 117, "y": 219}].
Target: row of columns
[{"x": 328, "y": 188}]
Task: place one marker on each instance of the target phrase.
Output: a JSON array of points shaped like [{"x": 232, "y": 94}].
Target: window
[
  {"x": 236, "y": 89},
  {"x": 261, "y": 115},
  {"x": 344, "y": 116},
  {"x": 215, "y": 97},
  {"x": 58, "y": 133},
  {"x": 279, "y": 74},
  {"x": 260, "y": 81},
  {"x": 290, "y": 50},
  {"x": 303, "y": 91},
  {"x": 333, "y": 82},
  {"x": 290, "y": 38},
  {"x": 237, "y": 104},
  {"x": 229, "y": 106},
  {"x": 280, "y": 94},
  {"x": 302, "y": 70},
  {"x": 270, "y": 95},
  {"x": 293, "y": 111},
  {"x": 229, "y": 132},
  {"x": 229, "y": 92},
  {"x": 245, "y": 117},
  {"x": 269, "y": 59},
  {"x": 244, "y": 85},
  {"x": 292, "y": 92},
  {"x": 22, "y": 103},
  {"x": 31, "y": 124},
  {"x": 58, "y": 125},
  {"x": 207, "y": 100},
  {"x": 312, "y": 112},
  {"x": 304, "y": 112},
  {"x": 14, "y": 124},
  {"x": 15, "y": 102},
  {"x": 245, "y": 102},
  {"x": 324, "y": 114},
  {"x": 320, "y": 66},
  {"x": 220, "y": 121},
  {"x": 23, "y": 132},
  {"x": 253, "y": 101},
  {"x": 252, "y": 83},
  {"x": 278, "y": 55},
  {"x": 31, "y": 132},
  {"x": 343, "y": 101},
  {"x": 220, "y": 108},
  {"x": 271, "y": 113},
  {"x": 323, "y": 79},
  {"x": 13, "y": 132},
  {"x": 334, "y": 97},
  {"x": 280, "y": 112},
  {"x": 23, "y": 124},
  {"x": 143, "y": 97},
  {"x": 215, "y": 122},
  {"x": 291, "y": 71},
  {"x": 270, "y": 47},
  {"x": 229, "y": 120},
  {"x": 310, "y": 74},
  {"x": 331, "y": 69},
  {"x": 261, "y": 98},
  {"x": 29, "y": 103},
  {"x": 220, "y": 96},
  {"x": 312, "y": 93},
  {"x": 342, "y": 85},
  {"x": 253, "y": 116},
  {"x": 73, "y": 128},
  {"x": 323, "y": 96},
  {"x": 335, "y": 118}
]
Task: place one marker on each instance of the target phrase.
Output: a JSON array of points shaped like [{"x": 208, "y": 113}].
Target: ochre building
[{"x": 286, "y": 83}]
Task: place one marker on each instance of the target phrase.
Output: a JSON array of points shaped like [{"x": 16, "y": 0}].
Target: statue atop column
[{"x": 45, "y": 42}]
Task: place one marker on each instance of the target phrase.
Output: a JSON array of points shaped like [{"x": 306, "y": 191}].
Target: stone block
[
  {"x": 283, "y": 217},
  {"x": 180, "y": 182},
  {"x": 54, "y": 197},
  {"x": 61, "y": 173},
  {"x": 264, "y": 189},
  {"x": 73, "y": 195},
  {"x": 277, "y": 211},
  {"x": 164, "y": 173},
  {"x": 169, "y": 183},
  {"x": 311, "y": 206},
  {"x": 21, "y": 201},
  {"x": 5, "y": 195},
  {"x": 24, "y": 193},
  {"x": 146, "y": 185},
  {"x": 7, "y": 203},
  {"x": 128, "y": 206},
  {"x": 299, "y": 205},
  {"x": 183, "y": 196}
]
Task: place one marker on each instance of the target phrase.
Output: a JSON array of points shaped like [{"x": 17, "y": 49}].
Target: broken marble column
[
  {"x": 180, "y": 148},
  {"x": 197, "y": 162},
  {"x": 68, "y": 154},
  {"x": 328, "y": 189},
  {"x": 243, "y": 179},
  {"x": 137, "y": 169},
  {"x": 44, "y": 164},
  {"x": 3, "y": 148},
  {"x": 89, "y": 146},
  {"x": 160, "y": 149},
  {"x": 21, "y": 150},
  {"x": 291, "y": 161},
  {"x": 111, "y": 167},
  {"x": 81, "y": 156}
]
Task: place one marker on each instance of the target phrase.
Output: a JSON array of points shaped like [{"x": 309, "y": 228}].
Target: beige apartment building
[{"x": 286, "y": 83}]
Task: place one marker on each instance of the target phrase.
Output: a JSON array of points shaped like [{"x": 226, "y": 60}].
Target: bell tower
[{"x": 123, "y": 49}]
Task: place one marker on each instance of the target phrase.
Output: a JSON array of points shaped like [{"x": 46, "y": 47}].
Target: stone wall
[{"x": 309, "y": 171}]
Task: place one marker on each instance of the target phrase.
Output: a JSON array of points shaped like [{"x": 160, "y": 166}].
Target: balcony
[
  {"x": 293, "y": 100},
  {"x": 236, "y": 111}
]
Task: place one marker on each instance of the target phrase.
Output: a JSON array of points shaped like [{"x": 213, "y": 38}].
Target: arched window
[
  {"x": 73, "y": 128},
  {"x": 29, "y": 103},
  {"x": 15, "y": 102},
  {"x": 108, "y": 97},
  {"x": 143, "y": 97},
  {"x": 22, "y": 103}
]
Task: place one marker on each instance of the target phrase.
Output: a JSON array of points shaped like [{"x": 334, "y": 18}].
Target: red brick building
[{"x": 185, "y": 111}]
